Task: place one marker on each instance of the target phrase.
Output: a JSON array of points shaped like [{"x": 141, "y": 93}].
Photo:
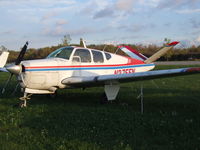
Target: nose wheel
[{"x": 23, "y": 104}]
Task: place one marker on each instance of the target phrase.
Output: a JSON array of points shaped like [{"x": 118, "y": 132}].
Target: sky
[{"x": 45, "y": 22}]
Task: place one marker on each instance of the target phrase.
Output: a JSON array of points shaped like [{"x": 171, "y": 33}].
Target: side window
[
  {"x": 84, "y": 55},
  {"x": 97, "y": 56},
  {"x": 108, "y": 56},
  {"x": 65, "y": 53}
]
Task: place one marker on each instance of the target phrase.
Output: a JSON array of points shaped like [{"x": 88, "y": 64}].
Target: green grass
[{"x": 75, "y": 120}]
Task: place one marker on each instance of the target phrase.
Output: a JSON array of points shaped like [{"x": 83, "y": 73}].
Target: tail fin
[
  {"x": 132, "y": 53},
  {"x": 161, "y": 52},
  {"x": 3, "y": 58}
]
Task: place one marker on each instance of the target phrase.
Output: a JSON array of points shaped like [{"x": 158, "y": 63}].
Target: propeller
[
  {"x": 16, "y": 67},
  {"x": 21, "y": 54}
]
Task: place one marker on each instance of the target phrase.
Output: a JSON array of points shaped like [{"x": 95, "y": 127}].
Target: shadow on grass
[{"x": 92, "y": 96}]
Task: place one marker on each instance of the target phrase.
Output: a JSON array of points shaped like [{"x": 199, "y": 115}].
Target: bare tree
[{"x": 66, "y": 40}]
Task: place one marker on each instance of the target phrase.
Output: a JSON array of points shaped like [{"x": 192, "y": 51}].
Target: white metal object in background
[
  {"x": 142, "y": 99},
  {"x": 141, "y": 96}
]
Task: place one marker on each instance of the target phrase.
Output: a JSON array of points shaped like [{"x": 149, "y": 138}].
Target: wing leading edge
[
  {"x": 121, "y": 78},
  {"x": 3, "y": 70}
]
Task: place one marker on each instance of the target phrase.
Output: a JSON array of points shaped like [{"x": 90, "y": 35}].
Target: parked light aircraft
[{"x": 78, "y": 67}]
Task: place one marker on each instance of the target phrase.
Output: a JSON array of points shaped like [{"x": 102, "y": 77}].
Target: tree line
[{"x": 191, "y": 53}]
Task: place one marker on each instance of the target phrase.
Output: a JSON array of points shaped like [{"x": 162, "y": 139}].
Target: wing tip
[{"x": 197, "y": 69}]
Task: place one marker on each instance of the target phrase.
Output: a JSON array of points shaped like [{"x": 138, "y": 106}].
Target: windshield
[{"x": 63, "y": 52}]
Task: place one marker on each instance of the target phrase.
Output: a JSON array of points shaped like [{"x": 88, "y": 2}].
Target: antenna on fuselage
[
  {"x": 104, "y": 47},
  {"x": 116, "y": 50},
  {"x": 82, "y": 43}
]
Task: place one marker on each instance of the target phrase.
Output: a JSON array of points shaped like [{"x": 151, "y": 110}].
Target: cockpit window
[
  {"x": 84, "y": 55},
  {"x": 108, "y": 56},
  {"x": 97, "y": 56},
  {"x": 63, "y": 52}
]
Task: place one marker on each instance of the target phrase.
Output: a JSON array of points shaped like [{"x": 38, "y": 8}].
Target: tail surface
[
  {"x": 3, "y": 58},
  {"x": 161, "y": 52},
  {"x": 136, "y": 55}
]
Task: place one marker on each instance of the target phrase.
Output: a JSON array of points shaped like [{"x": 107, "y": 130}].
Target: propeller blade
[
  {"x": 21, "y": 54},
  {"x": 6, "y": 84},
  {"x": 16, "y": 87}
]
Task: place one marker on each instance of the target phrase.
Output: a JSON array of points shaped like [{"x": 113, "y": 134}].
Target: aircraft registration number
[{"x": 124, "y": 71}]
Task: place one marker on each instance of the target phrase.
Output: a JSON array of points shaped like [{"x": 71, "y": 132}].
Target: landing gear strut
[{"x": 24, "y": 99}]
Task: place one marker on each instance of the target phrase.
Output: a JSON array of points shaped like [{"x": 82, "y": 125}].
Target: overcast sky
[{"x": 45, "y": 22}]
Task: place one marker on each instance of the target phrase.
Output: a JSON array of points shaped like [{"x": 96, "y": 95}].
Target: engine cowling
[{"x": 41, "y": 80}]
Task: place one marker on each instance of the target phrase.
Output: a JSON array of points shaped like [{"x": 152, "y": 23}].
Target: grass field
[{"x": 75, "y": 120}]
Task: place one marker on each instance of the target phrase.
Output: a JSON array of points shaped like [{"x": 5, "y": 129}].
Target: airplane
[{"x": 82, "y": 67}]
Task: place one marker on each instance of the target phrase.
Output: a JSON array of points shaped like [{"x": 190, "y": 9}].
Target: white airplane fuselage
[{"x": 45, "y": 76}]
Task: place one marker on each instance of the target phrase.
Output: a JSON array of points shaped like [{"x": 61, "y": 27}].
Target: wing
[
  {"x": 121, "y": 78},
  {"x": 3, "y": 70}
]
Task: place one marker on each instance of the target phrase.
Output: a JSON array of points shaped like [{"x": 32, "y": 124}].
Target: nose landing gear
[{"x": 24, "y": 99}]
